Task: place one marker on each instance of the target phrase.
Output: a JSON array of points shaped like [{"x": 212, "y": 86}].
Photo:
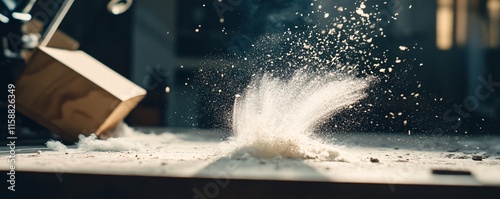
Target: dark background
[{"x": 155, "y": 45}]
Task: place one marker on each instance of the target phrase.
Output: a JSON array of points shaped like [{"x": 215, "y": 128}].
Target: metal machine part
[
  {"x": 13, "y": 14},
  {"x": 55, "y": 22}
]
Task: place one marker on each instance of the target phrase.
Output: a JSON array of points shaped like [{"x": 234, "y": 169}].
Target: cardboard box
[{"x": 71, "y": 93}]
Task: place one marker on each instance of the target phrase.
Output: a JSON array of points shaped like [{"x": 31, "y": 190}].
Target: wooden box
[{"x": 71, "y": 93}]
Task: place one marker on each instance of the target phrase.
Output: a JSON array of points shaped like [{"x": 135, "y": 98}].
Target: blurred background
[{"x": 162, "y": 45}]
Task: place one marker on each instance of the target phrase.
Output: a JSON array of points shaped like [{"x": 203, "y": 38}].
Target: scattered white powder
[
  {"x": 122, "y": 130},
  {"x": 122, "y": 138},
  {"x": 276, "y": 117},
  {"x": 56, "y": 145},
  {"x": 361, "y": 12},
  {"x": 91, "y": 143}
]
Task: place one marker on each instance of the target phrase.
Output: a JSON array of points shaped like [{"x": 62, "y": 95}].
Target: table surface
[{"x": 403, "y": 159}]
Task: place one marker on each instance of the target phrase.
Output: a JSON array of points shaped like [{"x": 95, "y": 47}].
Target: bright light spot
[{"x": 444, "y": 25}]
